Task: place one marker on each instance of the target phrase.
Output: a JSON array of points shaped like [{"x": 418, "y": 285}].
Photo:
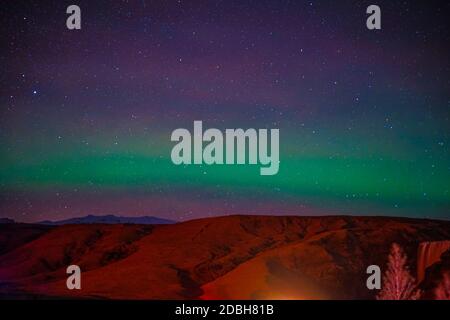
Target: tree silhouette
[{"x": 398, "y": 284}]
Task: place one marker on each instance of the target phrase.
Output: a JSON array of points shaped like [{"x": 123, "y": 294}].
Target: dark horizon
[{"x": 234, "y": 215}]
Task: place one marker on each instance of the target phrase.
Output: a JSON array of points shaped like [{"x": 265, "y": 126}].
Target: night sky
[{"x": 86, "y": 115}]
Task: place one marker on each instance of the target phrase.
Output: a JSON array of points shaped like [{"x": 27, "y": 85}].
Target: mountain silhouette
[
  {"x": 109, "y": 219},
  {"x": 6, "y": 220}
]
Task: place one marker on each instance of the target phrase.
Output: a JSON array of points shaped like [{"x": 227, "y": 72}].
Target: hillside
[{"x": 232, "y": 257}]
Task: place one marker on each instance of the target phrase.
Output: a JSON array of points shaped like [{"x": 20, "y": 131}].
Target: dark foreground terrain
[{"x": 232, "y": 257}]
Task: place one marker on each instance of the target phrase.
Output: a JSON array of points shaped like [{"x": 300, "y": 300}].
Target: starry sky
[{"x": 86, "y": 115}]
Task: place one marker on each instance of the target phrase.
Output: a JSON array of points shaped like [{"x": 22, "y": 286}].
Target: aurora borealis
[{"x": 86, "y": 115}]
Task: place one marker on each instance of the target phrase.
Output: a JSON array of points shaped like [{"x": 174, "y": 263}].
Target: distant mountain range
[
  {"x": 108, "y": 219},
  {"x": 6, "y": 220}
]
